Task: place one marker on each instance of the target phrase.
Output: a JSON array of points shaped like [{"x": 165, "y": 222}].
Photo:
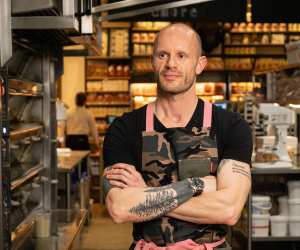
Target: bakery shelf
[
  {"x": 25, "y": 229},
  {"x": 142, "y": 55},
  {"x": 93, "y": 78},
  {"x": 214, "y": 55},
  {"x": 270, "y": 171},
  {"x": 29, "y": 175},
  {"x": 266, "y": 32},
  {"x": 253, "y": 45},
  {"x": 254, "y": 55},
  {"x": 261, "y": 32},
  {"x": 11, "y": 93},
  {"x": 148, "y": 42},
  {"x": 25, "y": 87},
  {"x": 145, "y": 30},
  {"x": 141, "y": 73},
  {"x": 116, "y": 25},
  {"x": 21, "y": 234},
  {"x": 107, "y": 58},
  {"x": 275, "y": 69},
  {"x": 70, "y": 224},
  {"x": 107, "y": 104},
  {"x": 108, "y": 92},
  {"x": 25, "y": 130},
  {"x": 271, "y": 239}
]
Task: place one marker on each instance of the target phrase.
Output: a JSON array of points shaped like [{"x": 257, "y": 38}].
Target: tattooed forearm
[
  {"x": 237, "y": 167},
  {"x": 156, "y": 203},
  {"x": 161, "y": 200},
  {"x": 240, "y": 169}
]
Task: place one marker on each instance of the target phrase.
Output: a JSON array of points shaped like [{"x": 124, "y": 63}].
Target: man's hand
[{"x": 123, "y": 175}]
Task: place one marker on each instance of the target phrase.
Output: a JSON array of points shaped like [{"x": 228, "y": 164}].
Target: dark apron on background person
[
  {"x": 166, "y": 156},
  {"x": 78, "y": 142}
]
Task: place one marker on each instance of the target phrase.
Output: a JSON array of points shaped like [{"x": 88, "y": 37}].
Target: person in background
[
  {"x": 179, "y": 167},
  {"x": 81, "y": 127}
]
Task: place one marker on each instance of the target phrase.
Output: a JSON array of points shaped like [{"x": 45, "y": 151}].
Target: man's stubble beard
[{"x": 183, "y": 88}]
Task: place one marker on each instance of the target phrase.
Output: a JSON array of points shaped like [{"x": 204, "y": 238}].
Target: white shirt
[{"x": 81, "y": 122}]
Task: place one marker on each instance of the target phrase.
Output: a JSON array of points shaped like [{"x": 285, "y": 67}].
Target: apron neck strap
[
  {"x": 206, "y": 117},
  {"x": 149, "y": 118}
]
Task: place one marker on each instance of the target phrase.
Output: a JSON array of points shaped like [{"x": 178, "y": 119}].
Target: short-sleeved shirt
[{"x": 123, "y": 140}]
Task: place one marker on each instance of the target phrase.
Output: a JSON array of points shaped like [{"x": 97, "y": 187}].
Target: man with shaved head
[{"x": 179, "y": 167}]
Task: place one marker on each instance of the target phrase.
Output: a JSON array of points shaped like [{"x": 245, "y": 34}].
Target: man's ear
[{"x": 202, "y": 61}]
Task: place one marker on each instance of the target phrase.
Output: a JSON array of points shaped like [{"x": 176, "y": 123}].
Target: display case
[{"x": 240, "y": 90}]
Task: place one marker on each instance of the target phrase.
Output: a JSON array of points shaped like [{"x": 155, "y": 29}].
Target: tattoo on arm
[
  {"x": 161, "y": 200},
  {"x": 240, "y": 169},
  {"x": 106, "y": 186},
  {"x": 156, "y": 203},
  {"x": 237, "y": 167}
]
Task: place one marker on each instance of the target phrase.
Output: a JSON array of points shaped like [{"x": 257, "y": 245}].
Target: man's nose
[{"x": 171, "y": 63}]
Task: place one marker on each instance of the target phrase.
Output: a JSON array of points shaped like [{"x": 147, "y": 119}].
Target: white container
[
  {"x": 294, "y": 189},
  {"x": 261, "y": 204},
  {"x": 294, "y": 225},
  {"x": 260, "y": 225},
  {"x": 42, "y": 225},
  {"x": 279, "y": 225},
  {"x": 294, "y": 207},
  {"x": 283, "y": 205}
]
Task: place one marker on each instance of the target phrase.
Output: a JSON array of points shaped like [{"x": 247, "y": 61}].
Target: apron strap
[
  {"x": 149, "y": 118},
  {"x": 207, "y": 115}
]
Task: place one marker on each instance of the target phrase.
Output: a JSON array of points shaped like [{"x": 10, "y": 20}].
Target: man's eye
[
  {"x": 182, "y": 55},
  {"x": 162, "y": 55}
]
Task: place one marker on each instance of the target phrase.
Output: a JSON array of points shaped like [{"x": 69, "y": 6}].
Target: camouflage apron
[{"x": 166, "y": 156}]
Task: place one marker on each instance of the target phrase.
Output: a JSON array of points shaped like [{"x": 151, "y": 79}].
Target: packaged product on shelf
[
  {"x": 149, "y": 49},
  {"x": 151, "y": 37},
  {"x": 278, "y": 39},
  {"x": 136, "y": 49},
  {"x": 119, "y": 70},
  {"x": 294, "y": 226},
  {"x": 119, "y": 43},
  {"x": 261, "y": 204},
  {"x": 279, "y": 225},
  {"x": 111, "y": 70},
  {"x": 283, "y": 205},
  {"x": 104, "y": 43},
  {"x": 96, "y": 70},
  {"x": 294, "y": 189},
  {"x": 143, "y": 37},
  {"x": 136, "y": 37},
  {"x": 260, "y": 225},
  {"x": 142, "y": 65},
  {"x": 126, "y": 70},
  {"x": 215, "y": 63}
]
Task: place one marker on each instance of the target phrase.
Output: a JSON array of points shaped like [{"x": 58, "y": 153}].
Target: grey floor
[{"x": 103, "y": 234}]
